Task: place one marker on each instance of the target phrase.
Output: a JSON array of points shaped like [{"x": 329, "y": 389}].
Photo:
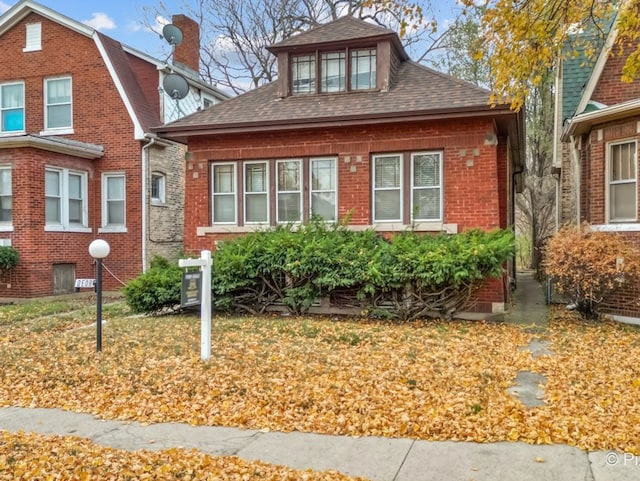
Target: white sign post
[{"x": 204, "y": 263}]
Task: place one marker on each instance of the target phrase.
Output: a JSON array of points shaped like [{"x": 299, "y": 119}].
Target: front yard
[{"x": 428, "y": 380}]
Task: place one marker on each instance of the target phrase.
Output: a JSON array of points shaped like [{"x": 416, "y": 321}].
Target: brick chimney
[{"x": 187, "y": 54}]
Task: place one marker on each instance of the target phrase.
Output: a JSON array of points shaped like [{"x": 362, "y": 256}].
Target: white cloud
[
  {"x": 100, "y": 21},
  {"x": 158, "y": 24},
  {"x": 4, "y": 7}
]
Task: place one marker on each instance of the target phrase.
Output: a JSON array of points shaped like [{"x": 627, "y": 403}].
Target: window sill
[
  {"x": 6, "y": 228},
  {"x": 629, "y": 227},
  {"x": 112, "y": 230},
  {"x": 378, "y": 227},
  {"x": 12, "y": 133},
  {"x": 66, "y": 131},
  {"x": 158, "y": 203},
  {"x": 61, "y": 228}
]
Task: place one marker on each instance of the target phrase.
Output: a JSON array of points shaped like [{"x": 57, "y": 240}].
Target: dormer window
[{"x": 335, "y": 73}]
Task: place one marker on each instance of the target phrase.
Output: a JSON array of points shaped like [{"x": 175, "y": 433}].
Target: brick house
[
  {"x": 78, "y": 160},
  {"x": 351, "y": 127},
  {"x": 597, "y": 134}
]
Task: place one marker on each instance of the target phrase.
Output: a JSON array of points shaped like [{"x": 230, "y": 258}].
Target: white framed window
[
  {"x": 289, "y": 190},
  {"x": 12, "y": 107},
  {"x": 6, "y": 196},
  {"x": 333, "y": 72},
  {"x": 158, "y": 182},
  {"x": 363, "y": 69},
  {"x": 33, "y": 41},
  {"x": 114, "y": 203},
  {"x": 224, "y": 196},
  {"x": 387, "y": 188},
  {"x": 303, "y": 74},
  {"x": 65, "y": 199},
  {"x": 426, "y": 186},
  {"x": 622, "y": 178},
  {"x": 323, "y": 188},
  {"x": 256, "y": 192},
  {"x": 58, "y": 106}
]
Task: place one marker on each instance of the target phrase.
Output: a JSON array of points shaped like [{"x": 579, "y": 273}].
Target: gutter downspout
[
  {"x": 575, "y": 167},
  {"x": 145, "y": 164}
]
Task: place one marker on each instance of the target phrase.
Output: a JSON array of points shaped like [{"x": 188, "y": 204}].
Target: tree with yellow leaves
[{"x": 521, "y": 39}]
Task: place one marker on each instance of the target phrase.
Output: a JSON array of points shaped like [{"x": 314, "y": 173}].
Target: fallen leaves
[
  {"x": 48, "y": 458},
  {"x": 432, "y": 380}
]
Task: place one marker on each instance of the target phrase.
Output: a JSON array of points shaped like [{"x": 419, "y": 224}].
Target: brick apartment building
[
  {"x": 78, "y": 160},
  {"x": 352, "y": 127}
]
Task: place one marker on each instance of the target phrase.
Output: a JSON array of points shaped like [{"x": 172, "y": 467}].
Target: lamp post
[{"x": 99, "y": 249}]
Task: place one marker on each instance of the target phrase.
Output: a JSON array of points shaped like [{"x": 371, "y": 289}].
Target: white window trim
[
  {"x": 609, "y": 146},
  {"x": 440, "y": 186},
  {"x": 8, "y": 226},
  {"x": 117, "y": 228},
  {"x": 64, "y": 225},
  {"x": 299, "y": 191},
  {"x": 374, "y": 189},
  {"x": 162, "y": 200},
  {"x": 235, "y": 192},
  {"x": 8, "y": 133},
  {"x": 67, "y": 129},
  {"x": 268, "y": 189},
  {"x": 335, "y": 187},
  {"x": 379, "y": 227},
  {"x": 33, "y": 37}
]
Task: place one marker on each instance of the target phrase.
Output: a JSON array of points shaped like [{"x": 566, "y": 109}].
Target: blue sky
[
  {"x": 119, "y": 19},
  {"x": 123, "y": 19}
]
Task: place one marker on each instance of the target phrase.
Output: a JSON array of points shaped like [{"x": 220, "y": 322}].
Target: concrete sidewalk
[{"x": 376, "y": 458}]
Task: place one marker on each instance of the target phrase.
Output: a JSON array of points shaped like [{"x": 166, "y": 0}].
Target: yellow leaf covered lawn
[
  {"x": 433, "y": 380},
  {"x": 31, "y": 456}
]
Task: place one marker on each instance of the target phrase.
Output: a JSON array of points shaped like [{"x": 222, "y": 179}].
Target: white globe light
[{"x": 99, "y": 249}]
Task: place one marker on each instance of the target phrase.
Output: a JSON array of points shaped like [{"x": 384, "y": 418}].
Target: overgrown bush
[
  {"x": 588, "y": 266},
  {"x": 9, "y": 258},
  {"x": 407, "y": 277},
  {"x": 157, "y": 289}
]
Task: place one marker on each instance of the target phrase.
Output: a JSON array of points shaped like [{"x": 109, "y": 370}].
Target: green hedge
[{"x": 406, "y": 277}]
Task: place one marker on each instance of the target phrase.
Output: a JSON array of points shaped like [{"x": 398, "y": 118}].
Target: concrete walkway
[{"x": 382, "y": 459}]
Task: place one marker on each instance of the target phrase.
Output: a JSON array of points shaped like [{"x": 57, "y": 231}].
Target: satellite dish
[
  {"x": 172, "y": 34},
  {"x": 176, "y": 86}
]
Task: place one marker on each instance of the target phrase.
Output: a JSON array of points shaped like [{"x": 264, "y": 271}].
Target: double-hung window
[
  {"x": 323, "y": 189},
  {"x": 303, "y": 74},
  {"x": 65, "y": 199},
  {"x": 12, "y": 107},
  {"x": 158, "y": 183},
  {"x": 387, "y": 188},
  {"x": 256, "y": 192},
  {"x": 623, "y": 182},
  {"x": 113, "y": 201},
  {"x": 421, "y": 190},
  {"x": 426, "y": 186},
  {"x": 332, "y": 72},
  {"x": 363, "y": 69},
  {"x": 289, "y": 190},
  {"x": 6, "y": 197},
  {"x": 58, "y": 103},
  {"x": 224, "y": 194}
]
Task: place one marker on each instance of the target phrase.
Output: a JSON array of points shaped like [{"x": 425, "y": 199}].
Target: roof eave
[
  {"x": 86, "y": 151},
  {"x": 182, "y": 133},
  {"x": 582, "y": 123}
]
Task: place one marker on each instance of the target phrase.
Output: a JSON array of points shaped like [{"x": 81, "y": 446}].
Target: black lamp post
[{"x": 99, "y": 249}]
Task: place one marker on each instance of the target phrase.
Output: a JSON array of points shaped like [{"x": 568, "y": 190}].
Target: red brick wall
[
  {"x": 610, "y": 89},
  {"x": 99, "y": 117},
  {"x": 475, "y": 174}
]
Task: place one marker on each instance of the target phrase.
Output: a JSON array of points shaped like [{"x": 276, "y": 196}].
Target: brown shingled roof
[
  {"x": 345, "y": 28},
  {"x": 147, "y": 113},
  {"x": 417, "y": 90}
]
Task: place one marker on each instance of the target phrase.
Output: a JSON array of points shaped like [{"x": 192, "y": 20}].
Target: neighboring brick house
[
  {"x": 352, "y": 127},
  {"x": 597, "y": 150},
  {"x": 77, "y": 158}
]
